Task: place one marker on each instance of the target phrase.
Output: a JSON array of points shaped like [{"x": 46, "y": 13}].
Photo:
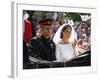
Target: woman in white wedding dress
[{"x": 65, "y": 40}]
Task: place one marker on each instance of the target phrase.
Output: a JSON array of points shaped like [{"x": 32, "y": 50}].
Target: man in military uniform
[{"x": 43, "y": 48}]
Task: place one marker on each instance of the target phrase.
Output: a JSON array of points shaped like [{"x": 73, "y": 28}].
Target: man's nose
[{"x": 49, "y": 31}]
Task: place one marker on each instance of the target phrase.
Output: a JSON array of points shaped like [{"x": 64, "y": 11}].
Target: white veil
[{"x": 57, "y": 38}]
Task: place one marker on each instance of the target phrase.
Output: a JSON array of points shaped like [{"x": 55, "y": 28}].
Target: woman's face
[{"x": 67, "y": 33}]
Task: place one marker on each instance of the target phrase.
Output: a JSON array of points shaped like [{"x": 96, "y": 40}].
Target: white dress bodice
[{"x": 64, "y": 52}]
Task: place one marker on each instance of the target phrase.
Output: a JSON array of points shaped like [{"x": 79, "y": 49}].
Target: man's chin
[{"x": 47, "y": 36}]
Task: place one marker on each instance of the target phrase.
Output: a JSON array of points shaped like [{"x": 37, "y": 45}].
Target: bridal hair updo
[{"x": 63, "y": 30}]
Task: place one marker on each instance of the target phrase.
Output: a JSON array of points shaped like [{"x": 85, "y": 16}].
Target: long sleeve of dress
[{"x": 58, "y": 54}]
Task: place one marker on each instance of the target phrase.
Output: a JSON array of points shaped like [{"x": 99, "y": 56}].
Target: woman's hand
[{"x": 74, "y": 43}]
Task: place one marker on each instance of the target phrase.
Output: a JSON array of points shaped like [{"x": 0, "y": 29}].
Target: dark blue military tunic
[{"x": 42, "y": 48}]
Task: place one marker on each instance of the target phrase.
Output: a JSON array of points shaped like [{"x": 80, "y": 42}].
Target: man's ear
[{"x": 41, "y": 31}]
